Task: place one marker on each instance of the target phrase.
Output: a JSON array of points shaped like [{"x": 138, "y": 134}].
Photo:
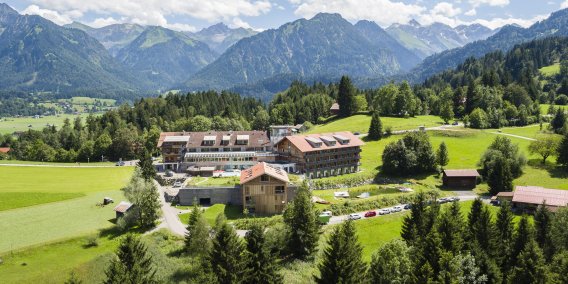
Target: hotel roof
[
  {"x": 301, "y": 141},
  {"x": 537, "y": 195}
]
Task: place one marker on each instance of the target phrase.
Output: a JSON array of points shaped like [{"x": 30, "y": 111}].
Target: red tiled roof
[
  {"x": 4, "y": 150},
  {"x": 461, "y": 173},
  {"x": 261, "y": 169},
  {"x": 303, "y": 145},
  {"x": 505, "y": 194},
  {"x": 537, "y": 194}
]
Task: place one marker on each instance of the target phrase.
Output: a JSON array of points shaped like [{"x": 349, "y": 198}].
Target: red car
[{"x": 370, "y": 214}]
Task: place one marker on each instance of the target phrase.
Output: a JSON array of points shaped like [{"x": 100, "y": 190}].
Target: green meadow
[
  {"x": 12, "y": 124},
  {"x": 361, "y": 122}
]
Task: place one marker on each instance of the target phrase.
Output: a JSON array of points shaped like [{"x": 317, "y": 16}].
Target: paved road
[{"x": 170, "y": 219}]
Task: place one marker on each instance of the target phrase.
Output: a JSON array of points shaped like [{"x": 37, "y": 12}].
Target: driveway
[{"x": 170, "y": 219}]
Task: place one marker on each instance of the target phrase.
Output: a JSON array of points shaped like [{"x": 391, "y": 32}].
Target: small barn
[
  {"x": 334, "y": 109},
  {"x": 460, "y": 178},
  {"x": 122, "y": 208}
]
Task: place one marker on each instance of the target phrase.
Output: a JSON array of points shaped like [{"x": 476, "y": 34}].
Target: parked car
[
  {"x": 496, "y": 202},
  {"x": 397, "y": 208},
  {"x": 177, "y": 184},
  {"x": 370, "y": 214},
  {"x": 443, "y": 200},
  {"x": 120, "y": 164},
  {"x": 384, "y": 211},
  {"x": 169, "y": 173},
  {"x": 326, "y": 213},
  {"x": 455, "y": 123},
  {"x": 354, "y": 216},
  {"x": 454, "y": 198},
  {"x": 407, "y": 206},
  {"x": 357, "y": 133}
]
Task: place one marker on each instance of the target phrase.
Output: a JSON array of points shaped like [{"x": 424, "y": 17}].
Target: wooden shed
[
  {"x": 460, "y": 178},
  {"x": 122, "y": 208}
]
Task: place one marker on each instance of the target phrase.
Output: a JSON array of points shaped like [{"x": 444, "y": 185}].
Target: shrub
[
  {"x": 92, "y": 241},
  {"x": 246, "y": 223},
  {"x": 368, "y": 204},
  {"x": 561, "y": 100}
]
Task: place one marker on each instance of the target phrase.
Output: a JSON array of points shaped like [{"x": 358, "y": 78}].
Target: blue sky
[{"x": 193, "y": 15}]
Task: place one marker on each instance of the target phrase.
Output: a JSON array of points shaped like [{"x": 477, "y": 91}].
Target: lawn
[
  {"x": 52, "y": 263},
  {"x": 12, "y": 200},
  {"x": 11, "y": 124},
  {"x": 232, "y": 212},
  {"x": 360, "y": 123},
  {"x": 91, "y": 164},
  {"x": 544, "y": 108}
]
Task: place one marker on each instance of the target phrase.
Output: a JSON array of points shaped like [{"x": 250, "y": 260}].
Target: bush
[
  {"x": 353, "y": 206},
  {"x": 561, "y": 100},
  {"x": 246, "y": 223},
  {"x": 388, "y": 130},
  {"x": 92, "y": 241}
]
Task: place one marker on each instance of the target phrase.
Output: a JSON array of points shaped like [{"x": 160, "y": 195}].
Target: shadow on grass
[
  {"x": 554, "y": 170},
  {"x": 115, "y": 232}
]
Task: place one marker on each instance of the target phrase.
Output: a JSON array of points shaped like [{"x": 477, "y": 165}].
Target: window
[
  {"x": 279, "y": 189},
  {"x": 264, "y": 178}
]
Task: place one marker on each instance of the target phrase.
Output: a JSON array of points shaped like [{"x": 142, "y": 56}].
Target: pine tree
[
  {"x": 481, "y": 229},
  {"x": 450, "y": 227},
  {"x": 132, "y": 263},
  {"x": 562, "y": 157},
  {"x": 559, "y": 268},
  {"x": 226, "y": 256},
  {"x": 391, "y": 264},
  {"x": 530, "y": 267},
  {"x": 342, "y": 259},
  {"x": 413, "y": 224},
  {"x": 559, "y": 120},
  {"x": 505, "y": 233},
  {"x": 432, "y": 250},
  {"x": 260, "y": 265},
  {"x": 442, "y": 158},
  {"x": 523, "y": 236},
  {"x": 487, "y": 265},
  {"x": 542, "y": 224},
  {"x": 302, "y": 225},
  {"x": 376, "y": 127},
  {"x": 197, "y": 237},
  {"x": 346, "y": 97}
]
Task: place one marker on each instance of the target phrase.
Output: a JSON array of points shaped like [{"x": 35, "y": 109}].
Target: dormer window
[
  {"x": 242, "y": 140},
  {"x": 209, "y": 140},
  {"x": 314, "y": 142}
]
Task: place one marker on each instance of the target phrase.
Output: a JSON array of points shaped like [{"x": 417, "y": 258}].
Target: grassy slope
[
  {"x": 360, "y": 123},
  {"x": 35, "y": 224},
  {"x": 11, "y": 124},
  {"x": 550, "y": 70},
  {"x": 19, "y": 162}
]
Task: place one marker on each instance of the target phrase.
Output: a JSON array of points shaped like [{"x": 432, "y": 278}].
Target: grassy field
[
  {"x": 550, "y": 70},
  {"x": 44, "y": 204},
  {"x": 91, "y": 164},
  {"x": 360, "y": 123},
  {"x": 544, "y": 108},
  {"x": 232, "y": 212},
  {"x": 11, "y": 124}
]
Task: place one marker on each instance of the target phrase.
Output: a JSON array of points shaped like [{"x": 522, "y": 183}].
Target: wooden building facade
[
  {"x": 460, "y": 178},
  {"x": 264, "y": 189}
]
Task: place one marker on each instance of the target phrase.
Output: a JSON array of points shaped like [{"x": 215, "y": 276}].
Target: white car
[
  {"x": 354, "y": 217},
  {"x": 326, "y": 213},
  {"x": 384, "y": 211},
  {"x": 177, "y": 184},
  {"x": 397, "y": 208}
]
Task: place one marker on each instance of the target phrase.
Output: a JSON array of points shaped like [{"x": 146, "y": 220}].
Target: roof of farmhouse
[
  {"x": 263, "y": 168},
  {"x": 324, "y": 141},
  {"x": 538, "y": 195}
]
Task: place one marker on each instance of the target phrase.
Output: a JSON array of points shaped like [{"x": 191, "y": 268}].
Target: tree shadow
[{"x": 554, "y": 170}]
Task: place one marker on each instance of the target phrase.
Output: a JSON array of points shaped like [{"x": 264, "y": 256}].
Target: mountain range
[{"x": 128, "y": 59}]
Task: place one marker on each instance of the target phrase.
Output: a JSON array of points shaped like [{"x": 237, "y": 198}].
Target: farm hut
[
  {"x": 334, "y": 109},
  {"x": 122, "y": 208},
  {"x": 460, "y": 178}
]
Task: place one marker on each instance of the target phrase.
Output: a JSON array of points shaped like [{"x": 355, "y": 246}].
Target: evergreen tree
[
  {"x": 376, "y": 127},
  {"x": 432, "y": 251},
  {"x": 558, "y": 229},
  {"x": 346, "y": 97},
  {"x": 449, "y": 269},
  {"x": 481, "y": 229},
  {"x": 302, "y": 225},
  {"x": 413, "y": 224},
  {"x": 523, "y": 236},
  {"x": 147, "y": 169},
  {"x": 442, "y": 158},
  {"x": 542, "y": 224},
  {"x": 450, "y": 227},
  {"x": 197, "y": 237},
  {"x": 342, "y": 261},
  {"x": 499, "y": 177},
  {"x": 132, "y": 263},
  {"x": 226, "y": 256},
  {"x": 487, "y": 265},
  {"x": 260, "y": 265},
  {"x": 559, "y": 268},
  {"x": 505, "y": 235},
  {"x": 558, "y": 121},
  {"x": 530, "y": 267},
  {"x": 562, "y": 156},
  {"x": 391, "y": 264}
]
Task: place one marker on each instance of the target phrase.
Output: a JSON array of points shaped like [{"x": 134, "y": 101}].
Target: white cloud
[
  {"x": 477, "y": 3},
  {"x": 154, "y": 12},
  {"x": 446, "y": 9},
  {"x": 101, "y": 22},
  {"x": 564, "y": 4},
  {"x": 383, "y": 12},
  {"x": 471, "y": 12},
  {"x": 499, "y": 22},
  {"x": 54, "y": 16}
]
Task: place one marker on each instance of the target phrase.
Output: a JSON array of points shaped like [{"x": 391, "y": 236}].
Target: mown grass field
[
  {"x": 12, "y": 124},
  {"x": 361, "y": 122},
  {"x": 544, "y": 108},
  {"x": 45, "y": 204},
  {"x": 231, "y": 212},
  {"x": 91, "y": 164}
]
